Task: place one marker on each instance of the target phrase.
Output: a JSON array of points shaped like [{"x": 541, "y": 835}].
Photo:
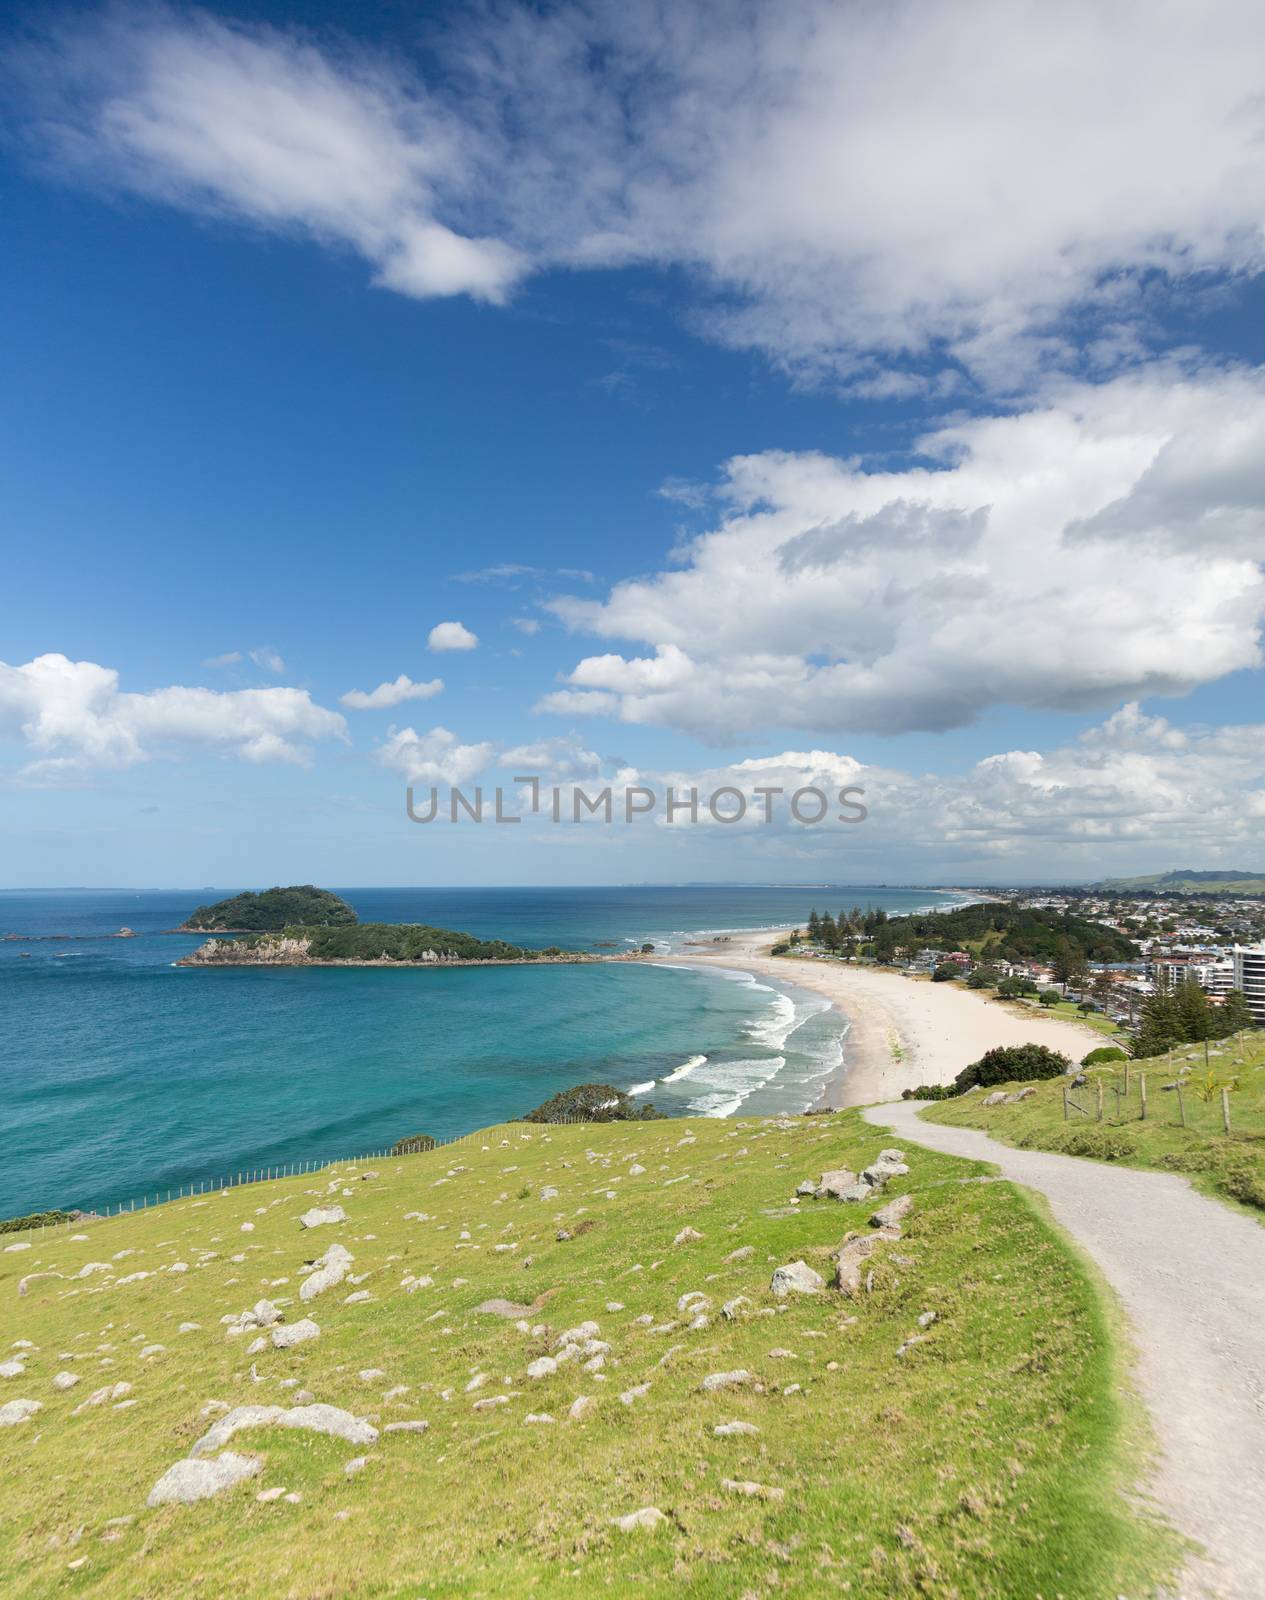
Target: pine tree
[{"x": 1236, "y": 1014}]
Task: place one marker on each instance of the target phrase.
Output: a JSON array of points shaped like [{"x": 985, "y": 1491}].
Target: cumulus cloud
[
  {"x": 893, "y": 191},
  {"x": 72, "y": 716},
  {"x": 436, "y": 756},
  {"x": 1101, "y": 546},
  {"x": 451, "y": 636},
  {"x": 391, "y": 694}
]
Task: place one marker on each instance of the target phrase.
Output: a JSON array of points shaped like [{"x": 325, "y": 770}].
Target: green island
[
  {"x": 377, "y": 944},
  {"x": 271, "y": 910},
  {"x": 568, "y": 1360}
]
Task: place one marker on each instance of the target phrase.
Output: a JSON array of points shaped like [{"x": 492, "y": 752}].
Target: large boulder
[
  {"x": 797, "y": 1277},
  {"x": 188, "y": 1481},
  {"x": 319, "y": 1216}
]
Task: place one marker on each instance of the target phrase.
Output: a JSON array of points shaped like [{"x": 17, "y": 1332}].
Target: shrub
[
  {"x": 1101, "y": 1144},
  {"x": 37, "y": 1219},
  {"x": 1018, "y": 1063},
  {"x": 1106, "y": 1052},
  {"x": 945, "y": 971},
  {"x": 592, "y": 1102},
  {"x": 413, "y": 1145}
]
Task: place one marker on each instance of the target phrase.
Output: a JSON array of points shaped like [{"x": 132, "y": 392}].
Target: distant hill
[
  {"x": 1223, "y": 880},
  {"x": 272, "y": 910}
]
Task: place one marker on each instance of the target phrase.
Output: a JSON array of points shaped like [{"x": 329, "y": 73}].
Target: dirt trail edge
[{"x": 1190, "y": 1274}]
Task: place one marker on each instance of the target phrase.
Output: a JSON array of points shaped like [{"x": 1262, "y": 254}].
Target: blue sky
[{"x": 318, "y": 320}]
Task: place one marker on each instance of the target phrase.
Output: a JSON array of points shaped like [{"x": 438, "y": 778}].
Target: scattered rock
[
  {"x": 647, "y": 1517},
  {"x": 12, "y": 1369},
  {"x": 744, "y": 1252},
  {"x": 687, "y": 1236},
  {"x": 536, "y": 1417},
  {"x": 502, "y": 1308},
  {"x": 733, "y": 1309},
  {"x": 406, "y": 1427},
  {"x": 543, "y": 1367},
  {"x": 65, "y": 1380},
  {"x": 329, "y": 1270},
  {"x": 318, "y": 1216},
  {"x": 331, "y": 1420},
  {"x": 15, "y": 1411},
  {"x": 725, "y": 1380},
  {"x": 797, "y": 1277},
  {"x": 893, "y": 1213},
  {"x": 295, "y": 1333},
  {"x": 581, "y": 1407},
  {"x": 730, "y": 1430},
  {"x": 997, "y": 1098},
  {"x": 630, "y": 1396},
  {"x": 189, "y": 1481},
  {"x": 753, "y": 1491}
]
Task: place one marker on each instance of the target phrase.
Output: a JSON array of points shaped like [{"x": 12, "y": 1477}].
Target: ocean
[{"x": 125, "y": 1075}]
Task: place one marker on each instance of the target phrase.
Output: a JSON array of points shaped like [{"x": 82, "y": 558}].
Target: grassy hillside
[
  {"x": 989, "y": 1459},
  {"x": 1223, "y": 880},
  {"x": 1232, "y": 1168}
]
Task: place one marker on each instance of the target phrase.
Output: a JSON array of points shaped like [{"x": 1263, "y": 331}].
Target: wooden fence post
[
  {"x": 1100, "y": 1099},
  {"x": 1225, "y": 1109},
  {"x": 1142, "y": 1092},
  {"x": 1065, "y": 1115},
  {"x": 1126, "y": 1075},
  {"x": 1181, "y": 1105}
]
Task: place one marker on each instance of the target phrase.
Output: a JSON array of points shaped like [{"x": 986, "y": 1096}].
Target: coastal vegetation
[
  {"x": 375, "y": 942},
  {"x": 987, "y": 930},
  {"x": 271, "y": 910},
  {"x": 593, "y": 1102},
  {"x": 952, "y": 1424},
  {"x": 1145, "y": 1120},
  {"x": 1005, "y": 1064}
]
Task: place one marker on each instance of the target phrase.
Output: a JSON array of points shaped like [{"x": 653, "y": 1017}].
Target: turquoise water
[{"x": 125, "y": 1074}]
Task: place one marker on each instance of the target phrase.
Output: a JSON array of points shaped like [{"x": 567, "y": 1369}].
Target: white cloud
[
  {"x": 73, "y": 717},
  {"x": 890, "y": 190},
  {"x": 436, "y": 756},
  {"x": 1099, "y": 547},
  {"x": 391, "y": 694},
  {"x": 528, "y": 625},
  {"x": 259, "y": 124},
  {"x": 266, "y": 657},
  {"x": 230, "y": 658},
  {"x": 451, "y": 636}
]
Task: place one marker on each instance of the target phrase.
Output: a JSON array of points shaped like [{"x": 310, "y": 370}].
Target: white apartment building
[
  {"x": 1214, "y": 974},
  {"x": 1249, "y": 976}
]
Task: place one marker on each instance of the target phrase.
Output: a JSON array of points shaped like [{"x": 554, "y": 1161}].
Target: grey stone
[
  {"x": 318, "y": 1216},
  {"x": 331, "y": 1420},
  {"x": 188, "y": 1481},
  {"x": 15, "y": 1411},
  {"x": 731, "y": 1430},
  {"x": 295, "y": 1333},
  {"x": 893, "y": 1213},
  {"x": 797, "y": 1277},
  {"x": 330, "y": 1270},
  {"x": 725, "y": 1380},
  {"x": 647, "y": 1517}
]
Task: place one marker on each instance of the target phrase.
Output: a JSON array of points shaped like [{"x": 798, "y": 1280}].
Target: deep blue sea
[{"x": 124, "y": 1074}]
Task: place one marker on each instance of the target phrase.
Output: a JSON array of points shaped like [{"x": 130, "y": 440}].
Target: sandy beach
[{"x": 903, "y": 1031}]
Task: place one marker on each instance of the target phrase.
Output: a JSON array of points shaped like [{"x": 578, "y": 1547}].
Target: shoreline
[{"x": 901, "y": 1032}]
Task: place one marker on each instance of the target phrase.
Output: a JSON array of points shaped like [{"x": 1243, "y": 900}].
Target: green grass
[
  {"x": 994, "y": 1459},
  {"x": 1232, "y": 1168}
]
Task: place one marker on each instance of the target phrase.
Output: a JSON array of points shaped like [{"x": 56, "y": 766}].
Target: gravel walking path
[{"x": 1190, "y": 1274}]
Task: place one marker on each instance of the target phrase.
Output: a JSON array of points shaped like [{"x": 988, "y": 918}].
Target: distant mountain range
[{"x": 1222, "y": 880}]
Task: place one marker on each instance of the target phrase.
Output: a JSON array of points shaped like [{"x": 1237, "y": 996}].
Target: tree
[
  {"x": 1049, "y": 997},
  {"x": 945, "y": 971},
  {"x": 1236, "y": 1014},
  {"x": 1020, "y": 1063},
  {"x": 592, "y": 1102}
]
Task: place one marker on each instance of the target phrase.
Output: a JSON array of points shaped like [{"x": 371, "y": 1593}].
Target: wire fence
[{"x": 251, "y": 1175}]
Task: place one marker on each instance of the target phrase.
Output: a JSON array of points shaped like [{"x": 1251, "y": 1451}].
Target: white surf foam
[
  {"x": 642, "y": 1088},
  {"x": 684, "y": 1070}
]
